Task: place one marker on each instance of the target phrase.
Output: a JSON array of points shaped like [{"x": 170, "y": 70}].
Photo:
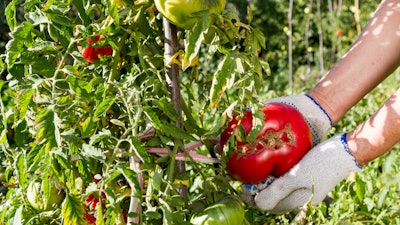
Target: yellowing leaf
[{"x": 73, "y": 211}]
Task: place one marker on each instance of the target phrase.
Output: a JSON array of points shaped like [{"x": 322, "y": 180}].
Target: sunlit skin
[{"x": 373, "y": 57}]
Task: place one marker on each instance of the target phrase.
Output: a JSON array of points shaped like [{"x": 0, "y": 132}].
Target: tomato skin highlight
[
  {"x": 227, "y": 210},
  {"x": 281, "y": 143},
  {"x": 180, "y": 12}
]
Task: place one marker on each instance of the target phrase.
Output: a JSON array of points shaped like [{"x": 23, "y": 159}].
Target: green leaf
[
  {"x": 91, "y": 152},
  {"x": 2, "y": 66},
  {"x": 78, "y": 86},
  {"x": 17, "y": 71},
  {"x": 195, "y": 39},
  {"x": 360, "y": 189},
  {"x": 15, "y": 46},
  {"x": 88, "y": 127},
  {"x": 47, "y": 130},
  {"x": 118, "y": 123},
  {"x": 157, "y": 178},
  {"x": 11, "y": 14},
  {"x": 168, "y": 108},
  {"x": 79, "y": 5},
  {"x": 45, "y": 66},
  {"x": 42, "y": 47},
  {"x": 255, "y": 41},
  {"x": 83, "y": 168},
  {"x": 59, "y": 6},
  {"x": 59, "y": 34},
  {"x": 21, "y": 169},
  {"x": 382, "y": 197},
  {"x": 73, "y": 211},
  {"x": 36, "y": 157},
  {"x": 113, "y": 11},
  {"x": 100, "y": 136},
  {"x": 176, "y": 132},
  {"x": 223, "y": 79},
  {"x": 140, "y": 151},
  {"x": 104, "y": 106},
  {"x": 37, "y": 17},
  {"x": 62, "y": 159},
  {"x": 152, "y": 117},
  {"x": 258, "y": 125},
  {"x": 60, "y": 19},
  {"x": 23, "y": 100},
  {"x": 131, "y": 178}
]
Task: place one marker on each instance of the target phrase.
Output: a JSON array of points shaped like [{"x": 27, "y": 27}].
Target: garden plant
[{"x": 112, "y": 110}]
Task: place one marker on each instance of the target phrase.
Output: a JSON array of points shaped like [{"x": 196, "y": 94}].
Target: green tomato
[
  {"x": 42, "y": 198},
  {"x": 228, "y": 210},
  {"x": 180, "y": 12}
]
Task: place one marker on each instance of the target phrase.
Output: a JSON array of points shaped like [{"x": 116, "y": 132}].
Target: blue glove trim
[
  {"x": 343, "y": 139},
  {"x": 251, "y": 187},
  {"x": 322, "y": 109}
]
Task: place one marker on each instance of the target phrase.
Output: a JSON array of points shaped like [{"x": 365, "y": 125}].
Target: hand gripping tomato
[{"x": 281, "y": 143}]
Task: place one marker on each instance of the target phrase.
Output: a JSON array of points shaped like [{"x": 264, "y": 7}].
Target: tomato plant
[
  {"x": 225, "y": 209},
  {"x": 182, "y": 13},
  {"x": 283, "y": 140}
]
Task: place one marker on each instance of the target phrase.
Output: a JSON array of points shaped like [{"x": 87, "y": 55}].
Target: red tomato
[
  {"x": 339, "y": 32},
  {"x": 91, "y": 54},
  {"x": 282, "y": 142}
]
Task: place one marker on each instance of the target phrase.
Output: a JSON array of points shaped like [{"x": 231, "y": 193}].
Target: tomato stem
[{"x": 188, "y": 155}]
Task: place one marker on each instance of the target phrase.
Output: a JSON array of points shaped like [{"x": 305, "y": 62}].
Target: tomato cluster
[
  {"x": 281, "y": 143},
  {"x": 91, "y": 54}
]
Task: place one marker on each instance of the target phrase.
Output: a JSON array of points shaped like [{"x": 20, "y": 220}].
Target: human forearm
[
  {"x": 378, "y": 134},
  {"x": 374, "y": 55}
]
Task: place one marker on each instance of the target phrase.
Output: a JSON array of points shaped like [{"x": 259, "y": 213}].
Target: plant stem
[
  {"x": 290, "y": 45},
  {"x": 321, "y": 38},
  {"x": 172, "y": 72}
]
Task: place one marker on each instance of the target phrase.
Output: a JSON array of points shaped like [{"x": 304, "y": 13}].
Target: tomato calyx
[{"x": 273, "y": 140}]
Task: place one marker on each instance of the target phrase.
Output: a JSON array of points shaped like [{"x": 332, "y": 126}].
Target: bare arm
[
  {"x": 378, "y": 134},
  {"x": 374, "y": 55}
]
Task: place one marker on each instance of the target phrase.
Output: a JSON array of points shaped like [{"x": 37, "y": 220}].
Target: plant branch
[
  {"x": 290, "y": 43},
  {"x": 172, "y": 72}
]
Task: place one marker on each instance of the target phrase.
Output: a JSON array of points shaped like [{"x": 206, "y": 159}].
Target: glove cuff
[{"x": 343, "y": 139}]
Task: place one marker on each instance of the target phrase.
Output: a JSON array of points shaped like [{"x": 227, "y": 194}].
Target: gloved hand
[
  {"x": 318, "y": 121},
  {"x": 316, "y": 117},
  {"x": 317, "y": 173}
]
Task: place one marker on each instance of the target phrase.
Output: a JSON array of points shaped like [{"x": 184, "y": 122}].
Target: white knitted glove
[
  {"x": 317, "y": 173},
  {"x": 316, "y": 117}
]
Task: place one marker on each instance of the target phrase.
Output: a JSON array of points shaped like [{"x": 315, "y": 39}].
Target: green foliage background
[{"x": 69, "y": 121}]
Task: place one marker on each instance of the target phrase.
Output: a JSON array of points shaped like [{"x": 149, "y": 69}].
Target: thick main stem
[{"x": 172, "y": 72}]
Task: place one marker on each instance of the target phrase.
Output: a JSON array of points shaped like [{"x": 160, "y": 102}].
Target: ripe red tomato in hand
[
  {"x": 91, "y": 54},
  {"x": 281, "y": 143}
]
